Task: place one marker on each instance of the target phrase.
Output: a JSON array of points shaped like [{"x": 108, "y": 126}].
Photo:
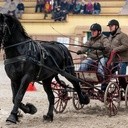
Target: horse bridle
[{"x": 5, "y": 30}]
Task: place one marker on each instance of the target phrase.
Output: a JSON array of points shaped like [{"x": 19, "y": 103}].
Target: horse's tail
[{"x": 68, "y": 60}]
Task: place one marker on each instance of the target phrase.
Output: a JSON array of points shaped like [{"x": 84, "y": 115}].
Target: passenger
[
  {"x": 97, "y": 40},
  {"x": 119, "y": 45}
]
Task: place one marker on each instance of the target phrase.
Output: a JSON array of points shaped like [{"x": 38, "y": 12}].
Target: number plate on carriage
[{"x": 88, "y": 76}]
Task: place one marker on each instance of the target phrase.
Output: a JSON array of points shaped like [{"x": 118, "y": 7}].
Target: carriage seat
[{"x": 92, "y": 74}]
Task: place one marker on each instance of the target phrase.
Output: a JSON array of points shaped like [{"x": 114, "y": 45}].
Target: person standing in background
[
  {"x": 47, "y": 9},
  {"x": 39, "y": 5}
]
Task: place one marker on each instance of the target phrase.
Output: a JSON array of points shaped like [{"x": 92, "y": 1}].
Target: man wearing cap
[
  {"x": 97, "y": 40},
  {"x": 119, "y": 45}
]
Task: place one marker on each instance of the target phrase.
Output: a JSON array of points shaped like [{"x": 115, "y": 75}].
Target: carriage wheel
[
  {"x": 112, "y": 98},
  {"x": 126, "y": 96},
  {"x": 76, "y": 102},
  {"x": 61, "y": 97}
]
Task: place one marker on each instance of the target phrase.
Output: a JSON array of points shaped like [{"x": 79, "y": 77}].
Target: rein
[{"x": 17, "y": 44}]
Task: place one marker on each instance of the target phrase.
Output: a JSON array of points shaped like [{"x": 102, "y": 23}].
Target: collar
[{"x": 117, "y": 32}]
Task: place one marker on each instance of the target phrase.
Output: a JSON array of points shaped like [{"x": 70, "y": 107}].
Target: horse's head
[
  {"x": 5, "y": 26},
  {"x": 11, "y": 30}
]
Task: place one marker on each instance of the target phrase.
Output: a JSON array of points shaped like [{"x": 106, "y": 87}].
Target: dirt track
[{"x": 91, "y": 116}]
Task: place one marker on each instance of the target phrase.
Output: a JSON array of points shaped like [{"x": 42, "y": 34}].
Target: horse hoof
[
  {"x": 32, "y": 108},
  {"x": 11, "y": 119},
  {"x": 85, "y": 99},
  {"x": 48, "y": 118}
]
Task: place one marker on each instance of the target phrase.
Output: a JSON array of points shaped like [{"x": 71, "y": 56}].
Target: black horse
[{"x": 27, "y": 60}]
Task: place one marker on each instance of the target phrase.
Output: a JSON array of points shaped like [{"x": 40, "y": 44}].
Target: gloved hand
[{"x": 79, "y": 52}]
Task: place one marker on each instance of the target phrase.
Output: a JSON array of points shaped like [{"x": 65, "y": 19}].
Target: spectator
[
  {"x": 83, "y": 8},
  {"x": 39, "y": 5},
  {"x": 47, "y": 9},
  {"x": 65, "y": 6},
  {"x": 59, "y": 15},
  {"x": 72, "y": 5},
  {"x": 124, "y": 9},
  {"x": 96, "y": 7},
  {"x": 77, "y": 8},
  {"x": 55, "y": 4},
  {"x": 20, "y": 9},
  {"x": 12, "y": 8},
  {"x": 89, "y": 7},
  {"x": 4, "y": 9}
]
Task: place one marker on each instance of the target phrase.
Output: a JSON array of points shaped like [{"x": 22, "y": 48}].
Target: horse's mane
[{"x": 17, "y": 26}]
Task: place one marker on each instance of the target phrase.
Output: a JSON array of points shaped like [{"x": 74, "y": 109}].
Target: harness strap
[
  {"x": 42, "y": 52},
  {"x": 17, "y": 44},
  {"x": 15, "y": 59}
]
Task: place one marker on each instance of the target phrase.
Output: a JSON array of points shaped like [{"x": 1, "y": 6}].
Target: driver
[{"x": 97, "y": 40}]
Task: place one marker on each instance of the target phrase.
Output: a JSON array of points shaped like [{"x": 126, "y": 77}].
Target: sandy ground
[{"x": 91, "y": 116}]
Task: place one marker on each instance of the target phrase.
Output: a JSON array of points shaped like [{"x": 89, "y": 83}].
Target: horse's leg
[
  {"x": 18, "y": 98},
  {"x": 28, "y": 108},
  {"x": 48, "y": 90},
  {"x": 83, "y": 98},
  {"x": 15, "y": 88}
]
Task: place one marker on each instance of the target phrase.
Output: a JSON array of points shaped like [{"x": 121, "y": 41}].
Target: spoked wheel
[
  {"x": 126, "y": 97},
  {"x": 76, "y": 103},
  {"x": 112, "y": 98},
  {"x": 61, "y": 97}
]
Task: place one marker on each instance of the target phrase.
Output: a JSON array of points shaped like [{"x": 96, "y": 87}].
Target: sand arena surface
[{"x": 91, "y": 116}]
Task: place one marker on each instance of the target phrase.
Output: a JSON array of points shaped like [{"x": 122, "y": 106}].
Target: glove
[{"x": 79, "y": 52}]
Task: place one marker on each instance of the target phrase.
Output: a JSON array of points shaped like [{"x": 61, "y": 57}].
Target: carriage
[
  {"x": 91, "y": 84},
  {"x": 28, "y": 60}
]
